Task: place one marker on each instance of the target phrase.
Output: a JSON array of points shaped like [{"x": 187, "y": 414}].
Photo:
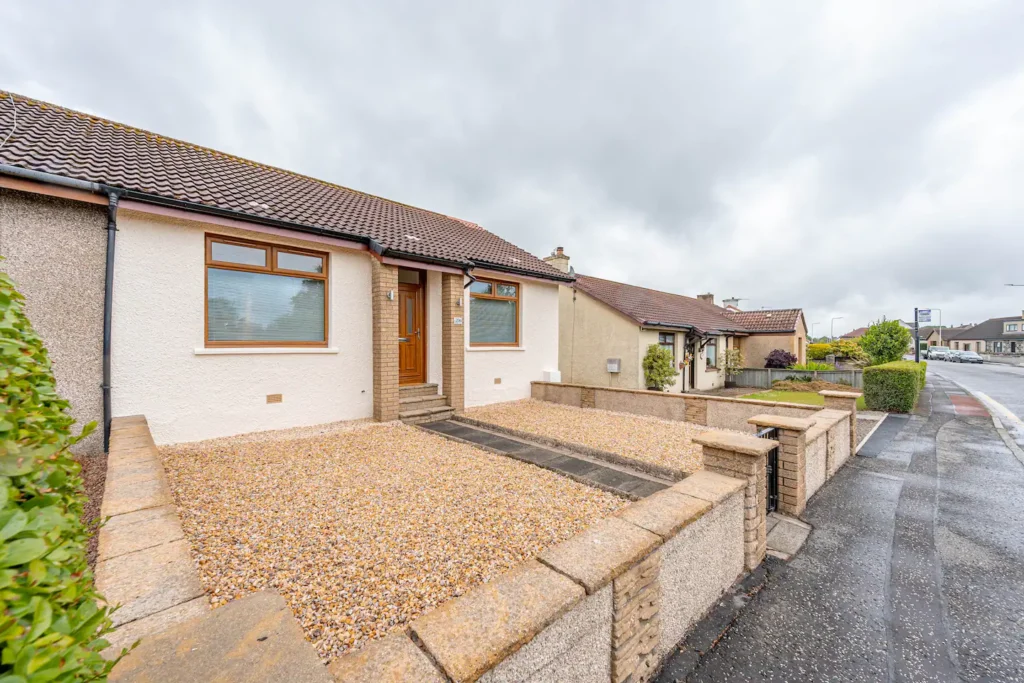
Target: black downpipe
[{"x": 108, "y": 311}]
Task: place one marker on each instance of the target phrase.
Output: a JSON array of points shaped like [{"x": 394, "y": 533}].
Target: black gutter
[
  {"x": 522, "y": 271},
  {"x": 51, "y": 179},
  {"x": 108, "y": 311}
]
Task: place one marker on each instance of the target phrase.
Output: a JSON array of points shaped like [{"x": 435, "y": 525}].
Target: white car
[{"x": 937, "y": 352}]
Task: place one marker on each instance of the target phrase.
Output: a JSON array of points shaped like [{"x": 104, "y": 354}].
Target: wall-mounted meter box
[{"x": 614, "y": 365}]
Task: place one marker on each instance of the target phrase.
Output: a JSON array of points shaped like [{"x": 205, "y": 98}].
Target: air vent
[{"x": 274, "y": 398}]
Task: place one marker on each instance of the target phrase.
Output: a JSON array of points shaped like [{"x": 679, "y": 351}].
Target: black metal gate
[{"x": 772, "y": 470}]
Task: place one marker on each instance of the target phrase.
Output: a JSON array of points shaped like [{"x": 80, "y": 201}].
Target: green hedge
[
  {"x": 893, "y": 387},
  {"x": 51, "y": 625}
]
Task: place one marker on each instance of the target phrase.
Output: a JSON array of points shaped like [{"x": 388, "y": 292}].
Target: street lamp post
[
  {"x": 812, "y": 329},
  {"x": 832, "y": 328}
]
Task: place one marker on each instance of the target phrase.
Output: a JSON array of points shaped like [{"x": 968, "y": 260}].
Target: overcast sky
[{"x": 854, "y": 159}]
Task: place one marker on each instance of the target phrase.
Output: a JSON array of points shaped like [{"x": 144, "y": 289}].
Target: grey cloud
[{"x": 634, "y": 134}]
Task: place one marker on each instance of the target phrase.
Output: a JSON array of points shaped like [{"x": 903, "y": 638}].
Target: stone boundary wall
[
  {"x": 606, "y": 605},
  {"x": 712, "y": 411},
  {"x": 143, "y": 563}
]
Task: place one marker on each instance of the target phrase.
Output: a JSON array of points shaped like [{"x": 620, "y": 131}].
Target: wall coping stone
[
  {"x": 710, "y": 486},
  {"x": 738, "y": 443},
  {"x": 796, "y": 424},
  {"x": 468, "y": 636},
  {"x": 393, "y": 659},
  {"x": 840, "y": 394},
  {"x": 665, "y": 512},
  {"x": 674, "y": 396},
  {"x": 601, "y": 553}
]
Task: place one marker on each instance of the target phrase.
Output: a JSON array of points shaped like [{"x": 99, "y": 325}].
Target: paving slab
[
  {"x": 148, "y": 581},
  {"x": 394, "y": 659},
  {"x": 786, "y": 537},
  {"x": 139, "y": 530},
  {"x": 135, "y": 494},
  {"x": 251, "y": 640},
  {"x": 157, "y": 622}
]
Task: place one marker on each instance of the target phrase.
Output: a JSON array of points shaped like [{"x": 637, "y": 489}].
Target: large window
[
  {"x": 264, "y": 295},
  {"x": 493, "y": 313}
]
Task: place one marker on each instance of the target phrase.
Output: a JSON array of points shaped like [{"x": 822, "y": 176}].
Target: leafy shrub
[
  {"x": 886, "y": 341},
  {"x": 732, "y": 362},
  {"x": 779, "y": 359},
  {"x": 893, "y": 387},
  {"x": 50, "y": 623},
  {"x": 659, "y": 371},
  {"x": 850, "y": 350},
  {"x": 811, "y": 365},
  {"x": 818, "y": 351},
  {"x": 797, "y": 378}
]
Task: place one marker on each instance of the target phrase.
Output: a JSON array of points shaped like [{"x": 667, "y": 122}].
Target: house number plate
[{"x": 457, "y": 321}]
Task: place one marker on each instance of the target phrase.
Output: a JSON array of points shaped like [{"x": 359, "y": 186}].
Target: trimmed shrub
[
  {"x": 893, "y": 387},
  {"x": 51, "y": 625},
  {"x": 818, "y": 351},
  {"x": 886, "y": 341},
  {"x": 779, "y": 359},
  {"x": 659, "y": 371}
]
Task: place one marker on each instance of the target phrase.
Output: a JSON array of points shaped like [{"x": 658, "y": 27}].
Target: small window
[
  {"x": 711, "y": 354},
  {"x": 667, "y": 340},
  {"x": 1011, "y": 327},
  {"x": 493, "y": 313},
  {"x": 264, "y": 295}
]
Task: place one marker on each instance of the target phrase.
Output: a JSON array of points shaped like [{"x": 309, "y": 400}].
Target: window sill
[
  {"x": 263, "y": 350},
  {"x": 474, "y": 349}
]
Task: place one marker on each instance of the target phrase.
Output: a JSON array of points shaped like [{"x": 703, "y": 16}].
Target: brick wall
[
  {"x": 385, "y": 341},
  {"x": 453, "y": 342}
]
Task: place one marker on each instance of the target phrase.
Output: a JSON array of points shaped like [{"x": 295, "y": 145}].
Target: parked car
[
  {"x": 969, "y": 357},
  {"x": 937, "y": 352},
  {"x": 952, "y": 355}
]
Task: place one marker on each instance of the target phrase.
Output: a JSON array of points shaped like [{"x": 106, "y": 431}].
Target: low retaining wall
[
  {"x": 143, "y": 562},
  {"x": 606, "y": 605},
  {"x": 713, "y": 411}
]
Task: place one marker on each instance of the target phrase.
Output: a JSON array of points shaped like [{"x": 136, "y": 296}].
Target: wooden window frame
[
  {"x": 494, "y": 295},
  {"x": 664, "y": 344},
  {"x": 271, "y": 268}
]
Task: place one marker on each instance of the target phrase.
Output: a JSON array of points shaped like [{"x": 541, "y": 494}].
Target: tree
[
  {"x": 659, "y": 370},
  {"x": 886, "y": 341},
  {"x": 732, "y": 361},
  {"x": 779, "y": 358},
  {"x": 850, "y": 350}
]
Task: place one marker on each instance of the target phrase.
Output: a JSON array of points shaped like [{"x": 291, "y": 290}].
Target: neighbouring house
[
  {"x": 606, "y": 327},
  {"x": 940, "y": 336},
  {"x": 242, "y": 297},
  {"x": 996, "y": 336},
  {"x": 855, "y": 334}
]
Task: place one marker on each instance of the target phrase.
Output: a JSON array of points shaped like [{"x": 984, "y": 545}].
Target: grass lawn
[{"x": 809, "y": 398}]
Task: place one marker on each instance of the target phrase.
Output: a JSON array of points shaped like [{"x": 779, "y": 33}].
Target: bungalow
[
  {"x": 998, "y": 336},
  {"x": 606, "y": 327},
  {"x": 219, "y": 296}
]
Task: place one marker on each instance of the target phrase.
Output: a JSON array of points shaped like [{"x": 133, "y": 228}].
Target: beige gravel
[
  {"x": 362, "y": 530},
  {"x": 647, "y": 439}
]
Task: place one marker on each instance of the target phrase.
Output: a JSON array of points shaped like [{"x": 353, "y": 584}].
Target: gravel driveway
[
  {"x": 364, "y": 529},
  {"x": 647, "y": 439}
]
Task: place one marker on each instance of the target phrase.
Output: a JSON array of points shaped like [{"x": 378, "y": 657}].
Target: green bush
[
  {"x": 818, "y": 351},
  {"x": 850, "y": 350},
  {"x": 51, "y": 625},
  {"x": 886, "y": 341},
  {"x": 893, "y": 387},
  {"x": 659, "y": 370},
  {"x": 811, "y": 365}
]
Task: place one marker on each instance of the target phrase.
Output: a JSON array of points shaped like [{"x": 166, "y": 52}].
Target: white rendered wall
[
  {"x": 515, "y": 367},
  {"x": 187, "y": 396},
  {"x": 433, "y": 306}
]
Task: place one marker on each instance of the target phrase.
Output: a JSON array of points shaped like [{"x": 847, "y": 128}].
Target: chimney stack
[
  {"x": 709, "y": 298},
  {"x": 733, "y": 302},
  {"x": 559, "y": 259}
]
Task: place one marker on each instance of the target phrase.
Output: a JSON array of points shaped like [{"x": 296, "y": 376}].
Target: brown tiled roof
[
  {"x": 68, "y": 143},
  {"x": 855, "y": 334},
  {"x": 658, "y": 309},
  {"x": 764, "y": 320}
]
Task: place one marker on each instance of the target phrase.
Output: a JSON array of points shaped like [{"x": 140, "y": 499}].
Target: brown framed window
[
  {"x": 493, "y": 313},
  {"x": 261, "y": 294},
  {"x": 667, "y": 340}
]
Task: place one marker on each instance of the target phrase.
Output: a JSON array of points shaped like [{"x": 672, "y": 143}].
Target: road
[
  {"x": 1000, "y": 387},
  {"x": 913, "y": 571}
]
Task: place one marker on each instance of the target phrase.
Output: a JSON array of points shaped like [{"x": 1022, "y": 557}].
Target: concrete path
[
  {"x": 914, "y": 570},
  {"x": 607, "y": 476}
]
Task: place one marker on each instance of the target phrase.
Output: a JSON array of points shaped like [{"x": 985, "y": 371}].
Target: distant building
[{"x": 997, "y": 336}]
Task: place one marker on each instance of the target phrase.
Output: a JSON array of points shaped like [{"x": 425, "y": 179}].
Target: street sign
[{"x": 924, "y": 315}]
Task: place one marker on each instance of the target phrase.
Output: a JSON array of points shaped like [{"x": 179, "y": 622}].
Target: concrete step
[
  {"x": 416, "y": 417},
  {"x": 254, "y": 639},
  {"x": 406, "y": 403},
  {"x": 417, "y": 390}
]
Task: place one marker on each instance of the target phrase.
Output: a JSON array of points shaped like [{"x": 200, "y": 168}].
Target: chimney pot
[{"x": 558, "y": 251}]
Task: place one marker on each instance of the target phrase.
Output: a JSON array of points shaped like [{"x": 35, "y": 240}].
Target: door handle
[{"x": 417, "y": 333}]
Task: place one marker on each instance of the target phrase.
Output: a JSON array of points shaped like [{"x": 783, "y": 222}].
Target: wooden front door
[{"x": 412, "y": 365}]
